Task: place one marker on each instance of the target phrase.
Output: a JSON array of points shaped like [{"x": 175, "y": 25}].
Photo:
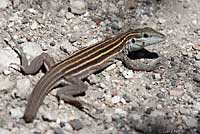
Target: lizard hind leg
[{"x": 68, "y": 92}]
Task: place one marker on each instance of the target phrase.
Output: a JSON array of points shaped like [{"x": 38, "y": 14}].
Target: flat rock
[
  {"x": 78, "y": 7},
  {"x": 191, "y": 122},
  {"x": 176, "y": 93},
  {"x": 156, "y": 113},
  {"x": 128, "y": 74},
  {"x": 31, "y": 49},
  {"x": 5, "y": 83},
  {"x": 197, "y": 106},
  {"x": 4, "y": 131},
  {"x": 4, "y": 3},
  {"x": 66, "y": 46},
  {"x": 113, "y": 9},
  {"x": 76, "y": 124},
  {"x": 8, "y": 56},
  {"x": 23, "y": 86},
  {"x": 16, "y": 113},
  {"x": 121, "y": 112}
]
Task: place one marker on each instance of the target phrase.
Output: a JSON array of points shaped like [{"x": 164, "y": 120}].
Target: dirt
[{"x": 164, "y": 101}]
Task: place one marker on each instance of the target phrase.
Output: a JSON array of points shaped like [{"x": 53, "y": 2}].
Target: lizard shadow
[{"x": 143, "y": 53}]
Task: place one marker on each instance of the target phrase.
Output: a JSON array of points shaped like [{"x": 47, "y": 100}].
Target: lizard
[{"x": 69, "y": 74}]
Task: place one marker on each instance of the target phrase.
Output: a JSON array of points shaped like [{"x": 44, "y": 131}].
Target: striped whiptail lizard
[{"x": 70, "y": 72}]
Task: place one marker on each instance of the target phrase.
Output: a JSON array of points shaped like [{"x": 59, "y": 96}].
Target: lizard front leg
[{"x": 42, "y": 60}]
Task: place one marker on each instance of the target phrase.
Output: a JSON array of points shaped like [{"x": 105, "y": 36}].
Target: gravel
[{"x": 133, "y": 102}]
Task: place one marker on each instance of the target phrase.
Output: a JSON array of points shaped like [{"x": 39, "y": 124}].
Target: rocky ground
[{"x": 165, "y": 101}]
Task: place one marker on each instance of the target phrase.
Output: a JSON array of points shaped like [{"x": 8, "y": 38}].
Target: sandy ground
[{"x": 164, "y": 101}]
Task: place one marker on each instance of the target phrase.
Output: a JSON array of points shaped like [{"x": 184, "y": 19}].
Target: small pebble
[
  {"x": 197, "y": 56},
  {"x": 135, "y": 116},
  {"x": 5, "y": 83},
  {"x": 161, "y": 20},
  {"x": 4, "y": 131},
  {"x": 121, "y": 112},
  {"x": 31, "y": 49},
  {"x": 190, "y": 122},
  {"x": 197, "y": 106},
  {"x": 49, "y": 116},
  {"x": 157, "y": 76},
  {"x": 7, "y": 59},
  {"x": 4, "y": 4},
  {"x": 76, "y": 124},
  {"x": 156, "y": 113},
  {"x": 34, "y": 25},
  {"x": 113, "y": 9},
  {"x": 93, "y": 79},
  {"x": 66, "y": 46},
  {"x": 115, "y": 99},
  {"x": 52, "y": 43},
  {"x": 23, "y": 85},
  {"x": 128, "y": 74},
  {"x": 196, "y": 46},
  {"x": 78, "y": 7},
  {"x": 196, "y": 77},
  {"x": 160, "y": 95},
  {"x": 73, "y": 39},
  {"x": 126, "y": 98},
  {"x": 16, "y": 113},
  {"x": 69, "y": 15},
  {"x": 176, "y": 93},
  {"x": 148, "y": 87},
  {"x": 58, "y": 130}
]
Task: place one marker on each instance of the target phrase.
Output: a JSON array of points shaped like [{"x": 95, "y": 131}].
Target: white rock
[
  {"x": 31, "y": 10},
  {"x": 123, "y": 101},
  {"x": 197, "y": 56},
  {"x": 135, "y": 116},
  {"x": 4, "y": 3},
  {"x": 111, "y": 67},
  {"x": 195, "y": 22},
  {"x": 23, "y": 87},
  {"x": 191, "y": 122},
  {"x": 66, "y": 46},
  {"x": 91, "y": 42},
  {"x": 50, "y": 116},
  {"x": 69, "y": 15},
  {"x": 161, "y": 20},
  {"x": 34, "y": 25},
  {"x": 127, "y": 74},
  {"x": 68, "y": 128},
  {"x": 8, "y": 56},
  {"x": 156, "y": 113},
  {"x": 16, "y": 113},
  {"x": 115, "y": 99},
  {"x": 113, "y": 9},
  {"x": 21, "y": 130},
  {"x": 4, "y": 131},
  {"x": 157, "y": 76},
  {"x": 197, "y": 106},
  {"x": 78, "y": 6},
  {"x": 5, "y": 83},
  {"x": 121, "y": 112},
  {"x": 31, "y": 49},
  {"x": 93, "y": 79}
]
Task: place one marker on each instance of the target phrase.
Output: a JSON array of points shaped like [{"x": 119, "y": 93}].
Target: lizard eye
[
  {"x": 145, "y": 35},
  {"x": 133, "y": 40}
]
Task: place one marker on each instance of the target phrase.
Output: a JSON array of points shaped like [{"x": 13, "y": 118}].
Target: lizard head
[{"x": 144, "y": 37}]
